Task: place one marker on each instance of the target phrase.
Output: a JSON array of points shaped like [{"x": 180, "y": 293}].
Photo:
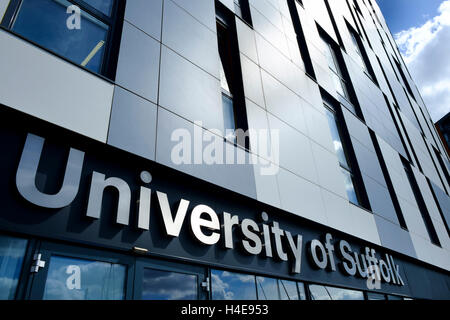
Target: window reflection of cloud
[
  {"x": 99, "y": 280},
  {"x": 267, "y": 289},
  {"x": 343, "y": 294},
  {"x": 12, "y": 251},
  {"x": 288, "y": 290},
  {"x": 169, "y": 286},
  {"x": 233, "y": 286},
  {"x": 7, "y": 288},
  {"x": 241, "y": 277},
  {"x": 330, "y": 293}
]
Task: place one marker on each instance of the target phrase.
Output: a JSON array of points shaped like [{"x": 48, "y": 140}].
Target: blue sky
[
  {"x": 421, "y": 29},
  {"x": 404, "y": 14}
]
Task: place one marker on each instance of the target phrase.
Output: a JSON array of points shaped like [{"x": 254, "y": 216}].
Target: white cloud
[{"x": 426, "y": 50}]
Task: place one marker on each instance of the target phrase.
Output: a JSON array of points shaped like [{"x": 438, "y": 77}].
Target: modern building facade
[
  {"x": 125, "y": 174},
  {"x": 443, "y": 128}
]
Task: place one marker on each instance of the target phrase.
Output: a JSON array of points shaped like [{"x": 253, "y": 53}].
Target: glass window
[
  {"x": 104, "y": 6},
  {"x": 335, "y": 135},
  {"x": 79, "y": 279},
  {"x": 12, "y": 252},
  {"x": 357, "y": 49},
  {"x": 267, "y": 288},
  {"x": 349, "y": 179},
  {"x": 83, "y": 39},
  {"x": 328, "y": 51},
  {"x": 375, "y": 296},
  {"x": 242, "y": 10},
  {"x": 345, "y": 294},
  {"x": 391, "y": 297},
  {"x": 301, "y": 290},
  {"x": 237, "y": 8},
  {"x": 350, "y": 186},
  {"x": 232, "y": 286},
  {"x": 319, "y": 293},
  {"x": 164, "y": 285},
  {"x": 290, "y": 291},
  {"x": 339, "y": 85},
  {"x": 336, "y": 73},
  {"x": 44, "y": 22},
  {"x": 228, "y": 117},
  {"x": 330, "y": 293},
  {"x": 226, "y": 80}
]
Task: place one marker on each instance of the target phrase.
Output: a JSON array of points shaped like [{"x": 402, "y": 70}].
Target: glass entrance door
[
  {"x": 62, "y": 272},
  {"x": 162, "y": 280}
]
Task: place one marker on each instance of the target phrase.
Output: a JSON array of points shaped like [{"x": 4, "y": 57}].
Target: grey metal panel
[
  {"x": 189, "y": 91},
  {"x": 444, "y": 202},
  {"x": 380, "y": 199},
  {"x": 368, "y": 162},
  {"x": 283, "y": 103},
  {"x": 45, "y": 86},
  {"x": 138, "y": 65},
  {"x": 133, "y": 124},
  {"x": 293, "y": 193},
  {"x": 394, "y": 237},
  {"x": 202, "y": 10},
  {"x": 251, "y": 77},
  {"x": 146, "y": 15},
  {"x": 189, "y": 38},
  {"x": 295, "y": 150},
  {"x": 246, "y": 40}
]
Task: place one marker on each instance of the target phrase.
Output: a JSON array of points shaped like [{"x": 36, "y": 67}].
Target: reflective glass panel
[
  {"x": 350, "y": 187},
  {"x": 375, "y": 296},
  {"x": 330, "y": 293},
  {"x": 390, "y": 297},
  {"x": 345, "y": 294},
  {"x": 337, "y": 142},
  {"x": 104, "y": 6},
  {"x": 166, "y": 285},
  {"x": 223, "y": 78},
  {"x": 319, "y": 293},
  {"x": 228, "y": 117},
  {"x": 232, "y": 286},
  {"x": 328, "y": 51},
  {"x": 12, "y": 252},
  {"x": 46, "y": 23},
  {"x": 358, "y": 51},
  {"x": 79, "y": 279},
  {"x": 267, "y": 288},
  {"x": 301, "y": 290},
  {"x": 338, "y": 84},
  {"x": 344, "y": 88},
  {"x": 288, "y": 290}
]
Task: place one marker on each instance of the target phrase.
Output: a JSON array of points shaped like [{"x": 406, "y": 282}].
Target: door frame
[
  {"x": 37, "y": 281},
  {"x": 202, "y": 273}
]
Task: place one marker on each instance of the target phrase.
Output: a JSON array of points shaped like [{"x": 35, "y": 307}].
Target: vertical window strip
[
  {"x": 428, "y": 221},
  {"x": 387, "y": 178}
]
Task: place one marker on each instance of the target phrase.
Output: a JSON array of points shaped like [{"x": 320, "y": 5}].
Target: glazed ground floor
[{"x": 35, "y": 269}]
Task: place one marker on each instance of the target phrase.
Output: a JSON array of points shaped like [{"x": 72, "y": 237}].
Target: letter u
[{"x": 26, "y": 176}]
